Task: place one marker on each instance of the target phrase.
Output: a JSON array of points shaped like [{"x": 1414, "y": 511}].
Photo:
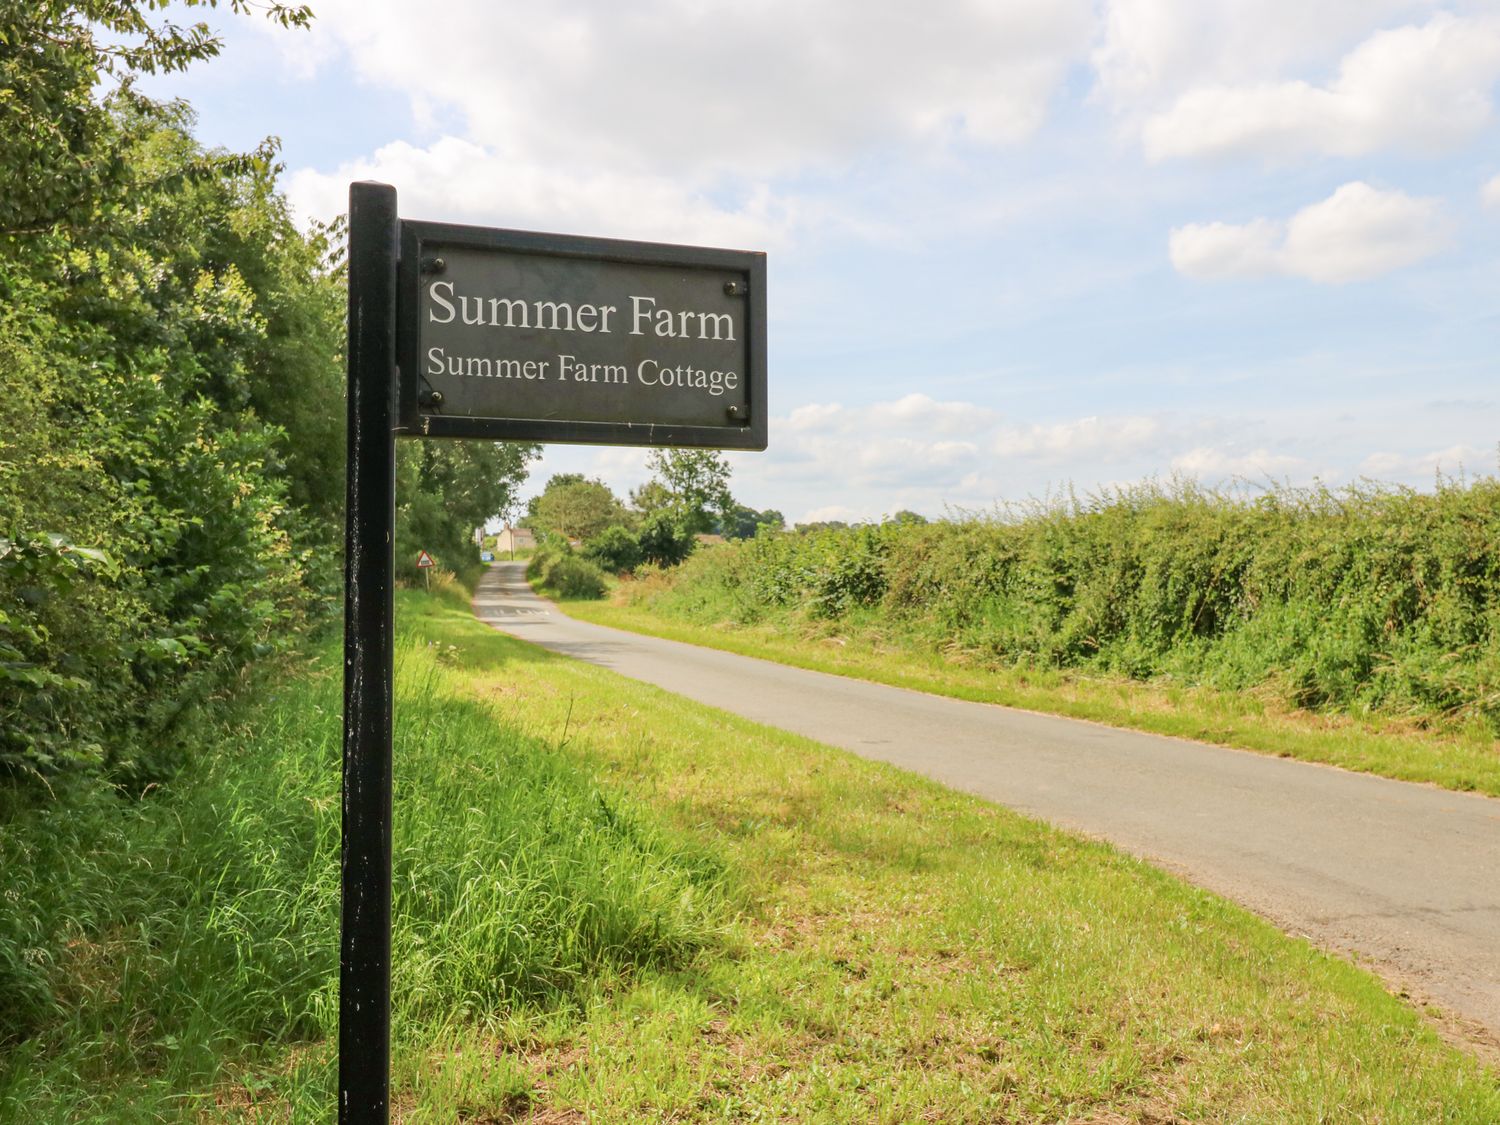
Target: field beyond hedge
[{"x": 1369, "y": 613}]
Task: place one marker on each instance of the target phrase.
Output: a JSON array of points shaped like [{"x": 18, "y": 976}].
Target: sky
[{"x": 1015, "y": 247}]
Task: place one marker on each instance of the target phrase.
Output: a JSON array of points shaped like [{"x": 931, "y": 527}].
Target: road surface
[{"x": 1404, "y": 875}]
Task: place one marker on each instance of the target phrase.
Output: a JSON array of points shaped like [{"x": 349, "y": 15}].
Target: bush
[
  {"x": 615, "y": 550},
  {"x": 545, "y": 555},
  {"x": 565, "y": 575},
  {"x": 184, "y": 570},
  {"x": 665, "y": 542}
]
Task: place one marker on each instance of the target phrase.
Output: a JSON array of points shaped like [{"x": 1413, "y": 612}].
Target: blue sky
[{"x": 1014, "y": 246}]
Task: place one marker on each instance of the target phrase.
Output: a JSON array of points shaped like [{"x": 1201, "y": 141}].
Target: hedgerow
[{"x": 1371, "y": 598}]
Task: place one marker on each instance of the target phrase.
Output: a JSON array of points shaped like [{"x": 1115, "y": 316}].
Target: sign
[
  {"x": 541, "y": 337},
  {"x": 476, "y": 333}
]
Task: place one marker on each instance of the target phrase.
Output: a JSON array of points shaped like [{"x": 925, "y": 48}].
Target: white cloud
[
  {"x": 1357, "y": 233},
  {"x": 1360, "y": 232},
  {"x": 1108, "y": 439},
  {"x": 862, "y": 462},
  {"x": 1490, "y": 194},
  {"x": 890, "y": 448},
  {"x": 457, "y": 180},
  {"x": 1209, "y": 463},
  {"x": 920, "y": 453},
  {"x": 919, "y": 411},
  {"x": 875, "y": 459},
  {"x": 673, "y": 120},
  {"x": 812, "y": 416},
  {"x": 695, "y": 90},
  {"x": 909, "y": 414},
  {"x": 1417, "y": 88},
  {"x": 1158, "y": 49},
  {"x": 1221, "y": 250},
  {"x": 1447, "y": 462}
]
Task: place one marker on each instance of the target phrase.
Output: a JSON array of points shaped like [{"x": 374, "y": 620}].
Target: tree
[
  {"x": 171, "y": 384},
  {"x": 63, "y": 159},
  {"x": 445, "y": 489},
  {"x": 557, "y": 480},
  {"x": 746, "y": 523},
  {"x": 650, "y": 497},
  {"x": 137, "y": 334},
  {"x": 697, "y": 481},
  {"x": 575, "y": 508}
]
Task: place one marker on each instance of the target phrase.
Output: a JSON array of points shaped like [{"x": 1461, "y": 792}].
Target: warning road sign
[{"x": 424, "y": 560}]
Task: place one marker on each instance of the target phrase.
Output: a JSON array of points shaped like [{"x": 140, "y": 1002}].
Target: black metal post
[{"x": 365, "y": 949}]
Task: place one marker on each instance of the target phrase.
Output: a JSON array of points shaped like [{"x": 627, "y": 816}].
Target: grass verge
[
  {"x": 902, "y": 952},
  {"x": 1467, "y": 760},
  {"x": 183, "y": 948},
  {"x": 615, "y": 905}
]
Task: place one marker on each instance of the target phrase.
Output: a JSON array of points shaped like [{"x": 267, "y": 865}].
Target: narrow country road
[{"x": 1404, "y": 875}]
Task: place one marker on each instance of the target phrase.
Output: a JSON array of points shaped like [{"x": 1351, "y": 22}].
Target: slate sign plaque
[{"x": 523, "y": 336}]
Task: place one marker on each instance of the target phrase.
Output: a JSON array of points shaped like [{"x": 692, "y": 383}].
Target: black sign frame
[{"x": 421, "y": 245}]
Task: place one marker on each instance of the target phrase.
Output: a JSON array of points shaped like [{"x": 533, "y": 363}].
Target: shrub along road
[{"x": 1401, "y": 875}]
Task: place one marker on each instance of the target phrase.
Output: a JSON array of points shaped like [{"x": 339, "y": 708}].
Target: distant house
[{"x": 514, "y": 539}]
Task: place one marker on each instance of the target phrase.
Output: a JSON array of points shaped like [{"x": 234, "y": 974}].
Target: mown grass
[
  {"x": 615, "y": 905},
  {"x": 902, "y": 953}
]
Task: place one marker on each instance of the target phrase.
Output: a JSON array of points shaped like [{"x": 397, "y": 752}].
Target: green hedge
[{"x": 1370, "y": 598}]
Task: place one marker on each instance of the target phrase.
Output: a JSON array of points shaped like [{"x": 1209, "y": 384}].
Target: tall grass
[
  {"x": 1369, "y": 599},
  {"x": 149, "y": 947}
]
